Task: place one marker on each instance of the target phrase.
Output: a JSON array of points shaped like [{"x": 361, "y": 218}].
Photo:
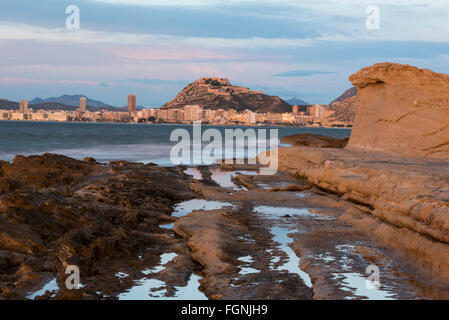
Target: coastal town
[
  {"x": 307, "y": 115},
  {"x": 224, "y": 159}
]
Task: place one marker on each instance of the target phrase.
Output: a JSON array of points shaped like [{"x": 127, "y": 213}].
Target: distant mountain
[
  {"x": 297, "y": 102},
  {"x": 343, "y": 111},
  {"x": 47, "y": 106},
  {"x": 61, "y": 106},
  {"x": 8, "y": 105},
  {"x": 352, "y": 92},
  {"x": 343, "y": 107},
  {"x": 125, "y": 108},
  {"x": 12, "y": 105},
  {"x": 218, "y": 93},
  {"x": 71, "y": 100}
]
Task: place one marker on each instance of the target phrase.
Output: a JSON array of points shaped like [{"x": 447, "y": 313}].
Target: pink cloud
[
  {"x": 173, "y": 54},
  {"x": 82, "y": 82},
  {"x": 22, "y": 81},
  {"x": 206, "y": 71},
  {"x": 13, "y": 81}
]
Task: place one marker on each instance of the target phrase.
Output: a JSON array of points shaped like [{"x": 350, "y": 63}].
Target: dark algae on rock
[{"x": 56, "y": 211}]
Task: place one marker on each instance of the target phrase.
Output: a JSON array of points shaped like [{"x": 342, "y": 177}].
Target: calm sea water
[{"x": 111, "y": 141}]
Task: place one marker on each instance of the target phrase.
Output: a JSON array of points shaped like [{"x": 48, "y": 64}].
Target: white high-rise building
[
  {"x": 316, "y": 110},
  {"x": 193, "y": 113},
  {"x": 250, "y": 117}
]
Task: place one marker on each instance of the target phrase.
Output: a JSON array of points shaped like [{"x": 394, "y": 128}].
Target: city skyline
[
  {"x": 155, "y": 48},
  {"x": 311, "y": 115}
]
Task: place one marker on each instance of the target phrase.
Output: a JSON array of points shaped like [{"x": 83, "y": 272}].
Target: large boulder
[{"x": 401, "y": 110}]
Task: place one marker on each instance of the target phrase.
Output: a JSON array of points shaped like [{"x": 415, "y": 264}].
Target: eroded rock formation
[
  {"x": 401, "y": 110},
  {"x": 395, "y": 166}
]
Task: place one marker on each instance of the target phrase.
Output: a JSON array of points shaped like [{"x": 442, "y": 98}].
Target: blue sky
[{"x": 291, "y": 48}]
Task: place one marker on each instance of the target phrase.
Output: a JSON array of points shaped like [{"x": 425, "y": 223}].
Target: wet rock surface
[
  {"x": 410, "y": 195},
  {"x": 217, "y": 232},
  {"x": 314, "y": 140},
  {"x": 57, "y": 211},
  {"x": 295, "y": 245},
  {"x": 315, "y": 230}
]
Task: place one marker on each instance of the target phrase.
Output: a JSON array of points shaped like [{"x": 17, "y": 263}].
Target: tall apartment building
[
  {"x": 193, "y": 112},
  {"x": 162, "y": 114},
  {"x": 250, "y": 117},
  {"x": 132, "y": 103},
  {"x": 17, "y": 116},
  {"x": 175, "y": 115},
  {"x": 315, "y": 110},
  {"x": 295, "y": 110},
  {"x": 23, "y": 107},
  {"x": 83, "y": 105},
  {"x": 149, "y": 112}
]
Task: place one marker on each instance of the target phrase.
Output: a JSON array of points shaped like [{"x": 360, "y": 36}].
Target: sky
[{"x": 154, "y": 48}]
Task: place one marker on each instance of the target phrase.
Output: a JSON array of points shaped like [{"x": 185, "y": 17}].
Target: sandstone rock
[
  {"x": 395, "y": 166},
  {"x": 410, "y": 195},
  {"x": 401, "y": 110},
  {"x": 217, "y": 93},
  {"x": 209, "y": 236},
  {"x": 314, "y": 140},
  {"x": 291, "y": 187}
]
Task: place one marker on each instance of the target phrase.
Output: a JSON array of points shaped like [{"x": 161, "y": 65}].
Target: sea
[{"x": 106, "y": 142}]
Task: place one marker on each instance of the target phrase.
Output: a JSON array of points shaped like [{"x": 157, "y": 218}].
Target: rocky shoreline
[
  {"x": 57, "y": 211},
  {"x": 213, "y": 232},
  {"x": 334, "y": 209}
]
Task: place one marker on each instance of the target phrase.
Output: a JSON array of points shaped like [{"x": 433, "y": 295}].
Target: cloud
[
  {"x": 104, "y": 85},
  {"x": 232, "y": 23},
  {"x": 150, "y": 3},
  {"x": 173, "y": 54},
  {"x": 299, "y": 3},
  {"x": 253, "y": 42},
  {"x": 152, "y": 42},
  {"x": 19, "y": 81},
  {"x": 301, "y": 73},
  {"x": 81, "y": 82},
  {"x": 10, "y": 31},
  {"x": 22, "y": 81},
  {"x": 151, "y": 81}
]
